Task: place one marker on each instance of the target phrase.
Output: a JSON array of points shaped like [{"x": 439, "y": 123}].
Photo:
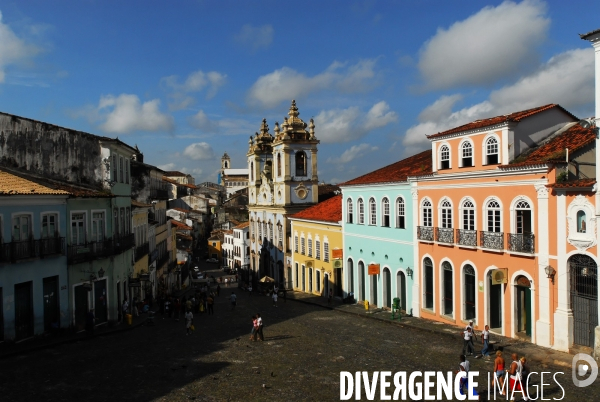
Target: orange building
[{"x": 493, "y": 219}]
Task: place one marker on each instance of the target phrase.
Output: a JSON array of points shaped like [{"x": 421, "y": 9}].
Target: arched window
[
  {"x": 372, "y": 212},
  {"x": 385, "y": 213},
  {"x": 426, "y": 214},
  {"x": 444, "y": 157},
  {"x": 523, "y": 217},
  {"x": 447, "y": 288},
  {"x": 581, "y": 222},
  {"x": 300, "y": 163},
  {"x": 467, "y": 154},
  {"x": 296, "y": 242},
  {"x": 302, "y": 245},
  {"x": 251, "y": 171},
  {"x": 446, "y": 215},
  {"x": 428, "y": 279},
  {"x": 468, "y": 216},
  {"x": 361, "y": 212},
  {"x": 469, "y": 302},
  {"x": 310, "y": 248},
  {"x": 400, "y": 222},
  {"x": 278, "y": 165},
  {"x": 491, "y": 151},
  {"x": 493, "y": 216},
  {"x": 349, "y": 211},
  {"x": 325, "y": 249},
  {"x": 317, "y": 248}
]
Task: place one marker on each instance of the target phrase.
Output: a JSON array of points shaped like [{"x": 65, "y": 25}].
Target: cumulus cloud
[
  {"x": 199, "y": 151},
  {"x": 350, "y": 154},
  {"x": 495, "y": 43},
  {"x": 126, "y": 113},
  {"x": 202, "y": 122},
  {"x": 13, "y": 50},
  {"x": 256, "y": 37},
  {"x": 195, "y": 82},
  {"x": 343, "y": 125},
  {"x": 566, "y": 79},
  {"x": 167, "y": 167},
  {"x": 286, "y": 83}
]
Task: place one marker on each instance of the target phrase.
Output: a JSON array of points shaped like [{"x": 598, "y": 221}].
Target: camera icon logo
[{"x": 582, "y": 369}]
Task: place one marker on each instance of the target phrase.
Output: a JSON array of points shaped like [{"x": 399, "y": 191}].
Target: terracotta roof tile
[
  {"x": 574, "y": 138},
  {"x": 512, "y": 117},
  {"x": 174, "y": 173},
  {"x": 180, "y": 225},
  {"x": 581, "y": 183},
  {"x": 11, "y": 184},
  {"x": 415, "y": 165},
  {"x": 326, "y": 211},
  {"x": 181, "y": 210},
  {"x": 169, "y": 180},
  {"x": 242, "y": 225}
]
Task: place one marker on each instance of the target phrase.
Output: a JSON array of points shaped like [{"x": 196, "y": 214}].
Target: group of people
[
  {"x": 518, "y": 370},
  {"x": 257, "y": 328}
]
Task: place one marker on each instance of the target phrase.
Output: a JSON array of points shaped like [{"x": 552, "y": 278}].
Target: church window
[
  {"x": 300, "y": 163},
  {"x": 278, "y": 165}
]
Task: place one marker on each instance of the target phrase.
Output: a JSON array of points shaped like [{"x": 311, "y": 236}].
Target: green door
[{"x": 529, "y": 318}]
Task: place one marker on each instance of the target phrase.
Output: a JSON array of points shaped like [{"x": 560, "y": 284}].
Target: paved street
[{"x": 305, "y": 349}]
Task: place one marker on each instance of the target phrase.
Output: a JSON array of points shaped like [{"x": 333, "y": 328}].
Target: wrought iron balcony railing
[
  {"x": 141, "y": 251},
  {"x": 466, "y": 237},
  {"x": 425, "y": 233},
  {"x": 20, "y": 250},
  {"x": 491, "y": 240},
  {"x": 521, "y": 242},
  {"x": 444, "y": 235},
  {"x": 78, "y": 253}
]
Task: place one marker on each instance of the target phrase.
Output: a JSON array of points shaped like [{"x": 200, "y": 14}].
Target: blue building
[
  {"x": 378, "y": 226},
  {"x": 34, "y": 295}
]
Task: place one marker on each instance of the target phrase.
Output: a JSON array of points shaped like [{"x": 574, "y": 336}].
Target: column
[
  {"x": 416, "y": 291},
  {"x": 542, "y": 334},
  {"x": 563, "y": 316}
]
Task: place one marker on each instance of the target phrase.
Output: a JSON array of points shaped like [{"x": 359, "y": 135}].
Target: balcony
[
  {"x": 141, "y": 251},
  {"x": 20, "y": 250},
  {"x": 425, "y": 233},
  {"x": 162, "y": 260},
  {"x": 466, "y": 237},
  {"x": 521, "y": 242},
  {"x": 444, "y": 235},
  {"x": 491, "y": 240},
  {"x": 101, "y": 249}
]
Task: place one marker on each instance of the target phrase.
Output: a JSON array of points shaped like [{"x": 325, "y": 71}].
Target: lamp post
[
  {"x": 550, "y": 272},
  {"x": 409, "y": 272}
]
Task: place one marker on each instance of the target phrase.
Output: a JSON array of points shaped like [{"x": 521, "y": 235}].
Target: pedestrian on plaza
[
  {"x": 499, "y": 371},
  {"x": 125, "y": 306},
  {"x": 250, "y": 289},
  {"x": 467, "y": 345},
  {"x": 525, "y": 372},
  {"x": 485, "y": 340},
  {"x": 136, "y": 312},
  {"x": 218, "y": 289},
  {"x": 188, "y": 304},
  {"x": 275, "y": 299},
  {"x": 275, "y": 289},
  {"x": 473, "y": 335},
  {"x": 177, "y": 309},
  {"x": 209, "y": 303},
  {"x": 516, "y": 375},
  {"x": 225, "y": 281},
  {"x": 463, "y": 371},
  {"x": 233, "y": 299},
  {"x": 189, "y": 321},
  {"x": 330, "y": 296},
  {"x": 168, "y": 308},
  {"x": 90, "y": 323},
  {"x": 254, "y": 329},
  {"x": 259, "y": 330}
]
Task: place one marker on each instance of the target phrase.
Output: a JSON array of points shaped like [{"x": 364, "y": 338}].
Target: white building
[
  {"x": 232, "y": 179},
  {"x": 227, "y": 249},
  {"x": 241, "y": 245}
]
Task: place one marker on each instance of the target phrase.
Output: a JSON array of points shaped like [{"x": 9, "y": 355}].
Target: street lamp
[
  {"x": 550, "y": 272},
  {"x": 409, "y": 272}
]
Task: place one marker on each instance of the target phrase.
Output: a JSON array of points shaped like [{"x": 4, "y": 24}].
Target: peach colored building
[{"x": 493, "y": 216}]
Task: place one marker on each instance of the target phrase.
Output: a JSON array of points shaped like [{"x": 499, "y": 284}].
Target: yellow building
[
  {"x": 214, "y": 246},
  {"x": 139, "y": 221},
  {"x": 317, "y": 248}
]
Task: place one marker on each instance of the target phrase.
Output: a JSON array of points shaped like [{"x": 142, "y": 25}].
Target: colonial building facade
[{"x": 283, "y": 181}]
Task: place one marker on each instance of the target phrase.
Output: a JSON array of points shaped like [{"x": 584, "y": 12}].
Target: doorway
[
  {"x": 23, "y": 310},
  {"x": 583, "y": 275},
  {"x": 374, "y": 280},
  {"x": 100, "y": 302},
  {"x": 81, "y": 306},
  {"x": 361, "y": 281},
  {"x": 326, "y": 285},
  {"x": 51, "y": 306},
  {"x": 387, "y": 288},
  {"x": 338, "y": 277},
  {"x": 495, "y": 305},
  {"x": 523, "y": 306},
  {"x": 401, "y": 290}
]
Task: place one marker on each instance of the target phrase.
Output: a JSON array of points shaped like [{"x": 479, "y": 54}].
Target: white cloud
[
  {"x": 202, "y": 122},
  {"x": 13, "y": 50},
  {"x": 199, "y": 151},
  {"x": 168, "y": 167},
  {"x": 495, "y": 43},
  {"x": 350, "y": 154},
  {"x": 343, "y": 125},
  {"x": 195, "y": 82},
  {"x": 566, "y": 79},
  {"x": 256, "y": 37},
  {"x": 286, "y": 83},
  {"x": 125, "y": 113}
]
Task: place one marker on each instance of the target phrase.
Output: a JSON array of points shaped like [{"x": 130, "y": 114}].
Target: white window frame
[
  {"x": 361, "y": 211},
  {"x": 463, "y": 148},
  {"x": 488, "y": 209},
  {"x": 372, "y": 212},
  {"x": 400, "y": 212},
  {"x": 325, "y": 249},
  {"x": 385, "y": 212},
  {"x": 486, "y": 152},
  {"x": 317, "y": 248},
  {"x": 54, "y": 214},
  {"x": 16, "y": 215},
  {"x": 426, "y": 206},
  {"x": 441, "y": 155},
  {"x": 445, "y": 214},
  {"x": 85, "y": 225},
  {"x": 349, "y": 211},
  {"x": 463, "y": 210},
  {"x": 92, "y": 235}
]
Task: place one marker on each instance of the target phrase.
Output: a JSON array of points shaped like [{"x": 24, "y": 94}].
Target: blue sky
[{"x": 189, "y": 80}]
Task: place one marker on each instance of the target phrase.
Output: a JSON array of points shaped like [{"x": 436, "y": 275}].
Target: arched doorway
[
  {"x": 374, "y": 283},
  {"x": 469, "y": 292},
  {"x": 326, "y": 284},
  {"x": 495, "y": 304},
  {"x": 350, "y": 275},
  {"x": 583, "y": 284},
  {"x": 401, "y": 289},
  {"x": 289, "y": 283},
  {"x": 387, "y": 288},
  {"x": 523, "y": 316},
  {"x": 361, "y": 280},
  {"x": 281, "y": 279}
]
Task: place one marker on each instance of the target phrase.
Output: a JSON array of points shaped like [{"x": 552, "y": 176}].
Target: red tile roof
[
  {"x": 175, "y": 173},
  {"x": 574, "y": 138},
  {"x": 581, "y": 183},
  {"x": 326, "y": 211},
  {"x": 415, "y": 165},
  {"x": 512, "y": 117},
  {"x": 181, "y": 210},
  {"x": 180, "y": 225}
]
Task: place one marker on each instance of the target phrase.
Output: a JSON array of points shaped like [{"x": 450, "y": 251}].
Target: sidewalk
[{"x": 509, "y": 345}]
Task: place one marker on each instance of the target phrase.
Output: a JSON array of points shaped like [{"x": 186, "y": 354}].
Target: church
[{"x": 282, "y": 181}]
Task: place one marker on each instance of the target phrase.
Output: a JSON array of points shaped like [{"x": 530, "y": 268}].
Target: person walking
[
  {"x": 189, "y": 322},
  {"x": 499, "y": 371},
  {"x": 136, "y": 312},
  {"x": 473, "y": 335},
  {"x": 254, "y": 329},
  {"x": 259, "y": 331},
  {"x": 218, "y": 289},
  {"x": 125, "y": 307},
  {"x": 274, "y": 299},
  {"x": 516, "y": 371},
  {"x": 467, "y": 345},
  {"x": 525, "y": 373},
  {"x": 209, "y": 303},
  {"x": 485, "y": 340},
  {"x": 233, "y": 299},
  {"x": 250, "y": 289}
]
